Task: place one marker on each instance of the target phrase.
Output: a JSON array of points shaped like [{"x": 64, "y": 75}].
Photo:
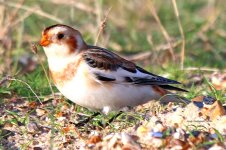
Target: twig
[
  {"x": 163, "y": 30},
  {"x": 2, "y": 16},
  {"x": 148, "y": 53},
  {"x": 8, "y": 78},
  {"x": 7, "y": 26},
  {"x": 102, "y": 26},
  {"x": 25, "y": 15},
  {"x": 140, "y": 56},
  {"x": 181, "y": 32},
  {"x": 221, "y": 33},
  {"x": 15, "y": 12},
  {"x": 35, "y": 51},
  {"x": 4, "y": 80},
  {"x": 203, "y": 69},
  {"x": 153, "y": 56},
  {"x": 33, "y": 10},
  {"x": 76, "y": 4},
  {"x": 210, "y": 22}
]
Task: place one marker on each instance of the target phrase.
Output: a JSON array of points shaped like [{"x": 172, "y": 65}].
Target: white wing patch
[{"x": 119, "y": 75}]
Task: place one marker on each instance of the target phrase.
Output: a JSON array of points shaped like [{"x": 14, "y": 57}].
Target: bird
[{"x": 96, "y": 78}]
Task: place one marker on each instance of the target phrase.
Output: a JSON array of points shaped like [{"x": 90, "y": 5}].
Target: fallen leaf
[
  {"x": 219, "y": 80},
  {"x": 66, "y": 129},
  {"x": 214, "y": 110},
  {"x": 32, "y": 104},
  {"x": 95, "y": 139}
]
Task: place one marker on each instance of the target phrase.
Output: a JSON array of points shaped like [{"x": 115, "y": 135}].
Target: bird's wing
[
  {"x": 103, "y": 59},
  {"x": 109, "y": 67}
]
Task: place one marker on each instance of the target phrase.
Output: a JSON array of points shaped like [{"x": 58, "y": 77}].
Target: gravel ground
[{"x": 199, "y": 124}]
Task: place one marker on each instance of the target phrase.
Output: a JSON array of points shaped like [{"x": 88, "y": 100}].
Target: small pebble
[
  {"x": 183, "y": 133},
  {"x": 216, "y": 147},
  {"x": 114, "y": 140},
  {"x": 179, "y": 136},
  {"x": 142, "y": 130},
  {"x": 156, "y": 142},
  {"x": 126, "y": 139},
  {"x": 40, "y": 112},
  {"x": 32, "y": 127},
  {"x": 198, "y": 104},
  {"x": 208, "y": 100},
  {"x": 214, "y": 136},
  {"x": 156, "y": 134},
  {"x": 195, "y": 133},
  {"x": 108, "y": 137},
  {"x": 158, "y": 122},
  {"x": 159, "y": 128},
  {"x": 154, "y": 119},
  {"x": 37, "y": 148},
  {"x": 35, "y": 142}
]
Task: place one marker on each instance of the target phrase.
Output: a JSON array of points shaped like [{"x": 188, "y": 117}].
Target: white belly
[{"x": 113, "y": 96}]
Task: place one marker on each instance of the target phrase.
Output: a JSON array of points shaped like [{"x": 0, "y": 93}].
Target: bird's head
[{"x": 61, "y": 41}]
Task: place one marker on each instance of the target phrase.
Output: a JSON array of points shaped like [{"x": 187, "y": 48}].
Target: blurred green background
[{"x": 132, "y": 29}]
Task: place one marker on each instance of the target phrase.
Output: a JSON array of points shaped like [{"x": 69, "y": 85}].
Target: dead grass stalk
[
  {"x": 163, "y": 30},
  {"x": 102, "y": 26},
  {"x": 182, "y": 55},
  {"x": 35, "y": 51}
]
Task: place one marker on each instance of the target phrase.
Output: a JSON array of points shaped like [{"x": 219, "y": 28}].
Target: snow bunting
[{"x": 96, "y": 78}]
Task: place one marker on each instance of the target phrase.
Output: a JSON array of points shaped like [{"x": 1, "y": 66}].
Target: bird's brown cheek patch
[
  {"x": 72, "y": 44},
  {"x": 159, "y": 90},
  {"x": 61, "y": 77}
]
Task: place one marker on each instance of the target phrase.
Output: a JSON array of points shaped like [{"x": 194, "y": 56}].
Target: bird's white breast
[{"x": 84, "y": 90}]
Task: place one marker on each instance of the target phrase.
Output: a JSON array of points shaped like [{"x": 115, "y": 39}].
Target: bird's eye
[{"x": 60, "y": 36}]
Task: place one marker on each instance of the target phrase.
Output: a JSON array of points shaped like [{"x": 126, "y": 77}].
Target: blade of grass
[
  {"x": 25, "y": 83},
  {"x": 220, "y": 137},
  {"x": 36, "y": 11}
]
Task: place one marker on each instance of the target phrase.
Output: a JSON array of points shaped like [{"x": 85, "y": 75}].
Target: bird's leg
[
  {"x": 101, "y": 124},
  {"x": 109, "y": 121},
  {"x": 124, "y": 109},
  {"x": 114, "y": 117},
  {"x": 81, "y": 123}
]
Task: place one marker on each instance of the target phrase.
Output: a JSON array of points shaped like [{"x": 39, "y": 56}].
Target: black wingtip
[
  {"x": 169, "y": 87},
  {"x": 168, "y": 81}
]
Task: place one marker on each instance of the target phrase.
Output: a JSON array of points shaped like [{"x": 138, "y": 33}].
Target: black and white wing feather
[{"x": 109, "y": 67}]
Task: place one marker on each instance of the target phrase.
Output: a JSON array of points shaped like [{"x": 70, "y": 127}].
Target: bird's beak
[{"x": 44, "y": 41}]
